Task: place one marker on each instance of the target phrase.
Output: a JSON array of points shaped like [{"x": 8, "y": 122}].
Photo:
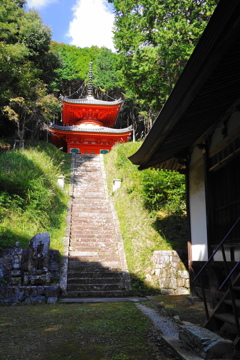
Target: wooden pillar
[
  {"x": 189, "y": 243},
  {"x": 212, "y": 275}
]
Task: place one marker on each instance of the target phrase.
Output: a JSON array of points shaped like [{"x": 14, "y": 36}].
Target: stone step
[
  {"x": 107, "y": 274},
  {"x": 75, "y": 253},
  {"x": 78, "y": 236},
  {"x": 82, "y": 223},
  {"x": 89, "y": 254},
  {"x": 103, "y": 231},
  {"x": 95, "y": 237},
  {"x": 103, "y": 220},
  {"x": 81, "y": 215},
  {"x": 92, "y": 206},
  {"x": 104, "y": 202},
  {"x": 99, "y": 218},
  {"x": 93, "y": 241},
  {"x": 98, "y": 223},
  {"x": 89, "y": 195},
  {"x": 99, "y": 235},
  {"x": 95, "y": 287},
  {"x": 91, "y": 248},
  {"x": 96, "y": 294},
  {"x": 94, "y": 227},
  {"x": 98, "y": 259},
  {"x": 91, "y": 281},
  {"x": 109, "y": 265},
  {"x": 87, "y": 231}
]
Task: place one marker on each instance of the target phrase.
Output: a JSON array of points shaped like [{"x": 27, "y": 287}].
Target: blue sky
[{"x": 77, "y": 22}]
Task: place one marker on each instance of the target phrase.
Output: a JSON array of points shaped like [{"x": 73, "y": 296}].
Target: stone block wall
[{"x": 171, "y": 272}]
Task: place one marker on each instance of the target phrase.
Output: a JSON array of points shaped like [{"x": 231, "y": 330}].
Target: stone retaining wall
[
  {"x": 171, "y": 272},
  {"x": 13, "y": 294}
]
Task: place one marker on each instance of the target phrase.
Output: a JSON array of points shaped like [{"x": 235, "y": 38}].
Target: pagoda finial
[{"x": 90, "y": 88}]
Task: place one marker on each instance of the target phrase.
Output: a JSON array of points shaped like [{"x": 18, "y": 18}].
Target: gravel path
[{"x": 162, "y": 323}]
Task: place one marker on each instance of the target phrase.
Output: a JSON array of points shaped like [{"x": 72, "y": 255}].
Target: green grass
[
  {"x": 149, "y": 204},
  {"x": 117, "y": 331},
  {"x": 31, "y": 202},
  {"x": 151, "y": 210}
]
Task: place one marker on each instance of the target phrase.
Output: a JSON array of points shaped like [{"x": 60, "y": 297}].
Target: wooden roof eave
[
  {"x": 212, "y": 46},
  {"x": 92, "y": 133},
  {"x": 91, "y": 102}
]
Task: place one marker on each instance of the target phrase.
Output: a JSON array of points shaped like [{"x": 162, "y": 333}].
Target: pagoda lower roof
[
  {"x": 93, "y": 129},
  {"x": 91, "y": 101}
]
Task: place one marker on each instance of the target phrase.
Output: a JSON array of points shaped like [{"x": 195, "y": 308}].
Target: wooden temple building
[
  {"x": 198, "y": 133},
  {"x": 88, "y": 125}
]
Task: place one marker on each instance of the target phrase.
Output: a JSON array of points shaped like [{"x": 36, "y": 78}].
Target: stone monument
[{"x": 30, "y": 275}]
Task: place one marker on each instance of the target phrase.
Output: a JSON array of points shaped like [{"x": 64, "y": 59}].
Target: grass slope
[
  {"x": 31, "y": 202},
  {"x": 151, "y": 209}
]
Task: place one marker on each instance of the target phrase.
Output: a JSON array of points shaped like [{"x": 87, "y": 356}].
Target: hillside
[
  {"x": 150, "y": 204},
  {"x": 151, "y": 209},
  {"x": 31, "y": 201}
]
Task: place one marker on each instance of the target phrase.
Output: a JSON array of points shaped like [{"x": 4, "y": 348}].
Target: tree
[
  {"x": 74, "y": 66},
  {"x": 30, "y": 113},
  {"x": 26, "y": 66},
  {"x": 154, "y": 40},
  {"x": 106, "y": 76},
  {"x": 72, "y": 74}
]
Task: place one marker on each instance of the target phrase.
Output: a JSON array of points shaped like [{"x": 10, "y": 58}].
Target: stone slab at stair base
[
  {"x": 205, "y": 343},
  {"x": 10, "y": 294}
]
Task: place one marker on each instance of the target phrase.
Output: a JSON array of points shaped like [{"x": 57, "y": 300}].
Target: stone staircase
[
  {"x": 227, "y": 310},
  {"x": 96, "y": 261}
]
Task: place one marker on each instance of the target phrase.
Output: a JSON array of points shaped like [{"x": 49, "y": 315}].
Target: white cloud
[
  {"x": 92, "y": 24},
  {"x": 37, "y": 4}
]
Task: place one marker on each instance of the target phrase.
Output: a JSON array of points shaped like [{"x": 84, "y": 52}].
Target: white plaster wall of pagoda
[{"x": 197, "y": 206}]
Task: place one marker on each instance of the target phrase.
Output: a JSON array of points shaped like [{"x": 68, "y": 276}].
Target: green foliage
[
  {"x": 107, "y": 75},
  {"x": 154, "y": 40},
  {"x": 164, "y": 191},
  {"x": 34, "y": 34},
  {"x": 30, "y": 199},
  {"x": 160, "y": 189},
  {"x": 151, "y": 210},
  {"x": 25, "y": 64},
  {"x": 74, "y": 68}
]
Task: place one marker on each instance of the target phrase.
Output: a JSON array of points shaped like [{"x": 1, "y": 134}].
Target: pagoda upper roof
[
  {"x": 75, "y": 111},
  {"x": 91, "y": 101}
]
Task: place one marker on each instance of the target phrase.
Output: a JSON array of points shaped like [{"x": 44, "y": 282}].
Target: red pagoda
[{"x": 88, "y": 125}]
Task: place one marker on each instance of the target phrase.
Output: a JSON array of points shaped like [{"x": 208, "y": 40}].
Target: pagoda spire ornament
[{"x": 90, "y": 88}]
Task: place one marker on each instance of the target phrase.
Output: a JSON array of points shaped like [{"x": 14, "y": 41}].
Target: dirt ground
[{"x": 181, "y": 306}]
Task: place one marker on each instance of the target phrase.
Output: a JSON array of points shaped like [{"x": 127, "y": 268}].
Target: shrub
[{"x": 164, "y": 190}]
